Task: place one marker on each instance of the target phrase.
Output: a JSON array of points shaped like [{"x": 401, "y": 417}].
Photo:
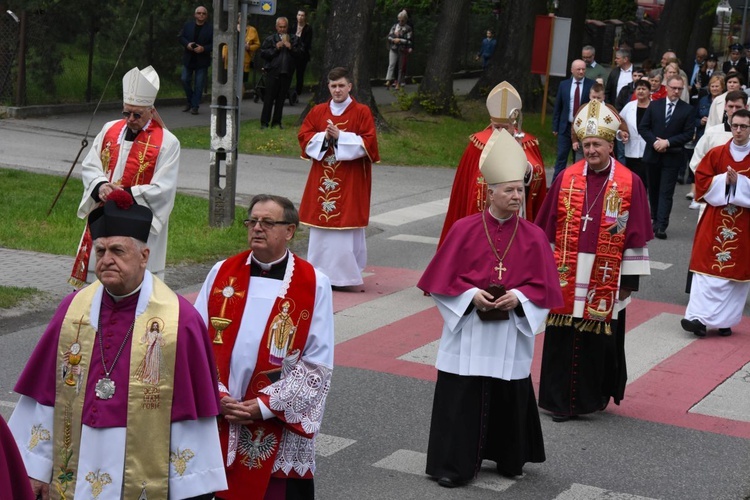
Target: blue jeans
[
  {"x": 564, "y": 146},
  {"x": 194, "y": 94}
]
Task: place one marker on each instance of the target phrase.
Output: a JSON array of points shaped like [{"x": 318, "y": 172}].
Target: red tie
[{"x": 576, "y": 98}]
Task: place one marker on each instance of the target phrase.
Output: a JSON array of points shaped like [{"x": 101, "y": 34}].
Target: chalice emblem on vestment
[{"x": 221, "y": 322}]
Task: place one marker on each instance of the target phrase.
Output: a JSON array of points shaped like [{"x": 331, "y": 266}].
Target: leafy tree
[{"x": 624, "y": 10}]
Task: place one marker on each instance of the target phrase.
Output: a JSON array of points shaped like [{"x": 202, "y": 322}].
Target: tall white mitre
[
  {"x": 503, "y": 159},
  {"x": 140, "y": 86}
]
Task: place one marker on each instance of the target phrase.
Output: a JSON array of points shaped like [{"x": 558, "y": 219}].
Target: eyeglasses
[
  {"x": 127, "y": 114},
  {"x": 264, "y": 223},
  {"x": 739, "y": 126},
  {"x": 676, "y": 89},
  {"x": 201, "y": 13}
]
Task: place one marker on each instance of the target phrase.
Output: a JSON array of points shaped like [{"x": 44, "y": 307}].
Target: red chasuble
[
  {"x": 337, "y": 193},
  {"x": 139, "y": 169},
  {"x": 469, "y": 191},
  {"x": 255, "y": 445},
  {"x": 723, "y": 233}
]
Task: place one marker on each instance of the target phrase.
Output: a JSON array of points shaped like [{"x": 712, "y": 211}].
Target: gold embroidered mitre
[
  {"x": 596, "y": 119},
  {"x": 503, "y": 159},
  {"x": 504, "y": 103},
  {"x": 140, "y": 86}
]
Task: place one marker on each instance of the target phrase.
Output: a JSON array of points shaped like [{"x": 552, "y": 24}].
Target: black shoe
[
  {"x": 262, "y": 126},
  {"x": 725, "y": 332},
  {"x": 194, "y": 111},
  {"x": 187, "y": 108},
  {"x": 447, "y": 482},
  {"x": 661, "y": 234},
  {"x": 559, "y": 417},
  {"x": 694, "y": 326}
]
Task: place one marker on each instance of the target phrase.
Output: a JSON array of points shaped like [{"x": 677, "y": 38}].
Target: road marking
[
  {"x": 661, "y": 266},
  {"x": 413, "y": 238},
  {"x": 368, "y": 316},
  {"x": 7, "y": 404},
  {"x": 652, "y": 342},
  {"x": 411, "y": 214},
  {"x": 729, "y": 400},
  {"x": 427, "y": 354},
  {"x": 583, "y": 492},
  {"x": 412, "y": 462},
  {"x": 326, "y": 445}
]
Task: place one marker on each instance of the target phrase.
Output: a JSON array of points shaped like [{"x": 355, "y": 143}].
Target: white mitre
[
  {"x": 503, "y": 159},
  {"x": 504, "y": 104},
  {"x": 139, "y": 87}
]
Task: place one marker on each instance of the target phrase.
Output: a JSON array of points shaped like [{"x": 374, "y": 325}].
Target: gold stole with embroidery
[{"x": 150, "y": 391}]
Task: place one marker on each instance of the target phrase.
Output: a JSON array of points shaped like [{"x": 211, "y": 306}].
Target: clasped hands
[
  {"x": 731, "y": 176},
  {"x": 483, "y": 301},
  {"x": 240, "y": 412},
  {"x": 661, "y": 145},
  {"x": 332, "y": 131},
  {"x": 105, "y": 190}
]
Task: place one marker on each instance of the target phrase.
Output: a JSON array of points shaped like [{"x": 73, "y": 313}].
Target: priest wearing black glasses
[{"x": 136, "y": 154}]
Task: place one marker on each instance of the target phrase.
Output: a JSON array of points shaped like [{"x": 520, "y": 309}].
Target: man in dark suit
[
  {"x": 619, "y": 77},
  {"x": 735, "y": 60},
  {"x": 198, "y": 38},
  {"x": 667, "y": 126},
  {"x": 280, "y": 52},
  {"x": 571, "y": 94}
]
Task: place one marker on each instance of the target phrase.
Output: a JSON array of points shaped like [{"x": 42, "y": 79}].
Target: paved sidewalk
[{"x": 42, "y": 271}]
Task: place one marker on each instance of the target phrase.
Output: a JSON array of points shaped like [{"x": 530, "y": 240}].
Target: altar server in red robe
[{"x": 339, "y": 137}]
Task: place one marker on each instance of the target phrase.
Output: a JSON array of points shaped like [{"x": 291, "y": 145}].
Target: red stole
[
  {"x": 603, "y": 286},
  {"x": 139, "y": 169},
  {"x": 287, "y": 329}
]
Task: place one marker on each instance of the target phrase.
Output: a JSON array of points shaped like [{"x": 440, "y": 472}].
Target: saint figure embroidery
[
  {"x": 281, "y": 334},
  {"x": 149, "y": 371}
]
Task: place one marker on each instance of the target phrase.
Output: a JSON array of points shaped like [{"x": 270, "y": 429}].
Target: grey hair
[{"x": 589, "y": 48}]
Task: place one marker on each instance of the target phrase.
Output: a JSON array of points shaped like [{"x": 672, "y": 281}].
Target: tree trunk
[
  {"x": 512, "y": 59},
  {"x": 347, "y": 33},
  {"x": 576, "y": 11},
  {"x": 671, "y": 32},
  {"x": 700, "y": 36},
  {"x": 435, "y": 94}
]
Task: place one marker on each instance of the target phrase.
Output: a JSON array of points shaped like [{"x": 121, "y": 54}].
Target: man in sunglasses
[
  {"x": 270, "y": 316},
  {"x": 139, "y": 155},
  {"x": 721, "y": 271}
]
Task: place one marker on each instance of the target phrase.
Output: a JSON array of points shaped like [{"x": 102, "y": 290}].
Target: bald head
[{"x": 578, "y": 69}]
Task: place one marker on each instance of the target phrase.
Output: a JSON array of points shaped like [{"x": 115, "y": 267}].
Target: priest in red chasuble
[
  {"x": 721, "y": 269},
  {"x": 270, "y": 315},
  {"x": 339, "y": 137},
  {"x": 139, "y": 156},
  {"x": 90, "y": 422},
  {"x": 494, "y": 281},
  {"x": 469, "y": 192},
  {"x": 596, "y": 218}
]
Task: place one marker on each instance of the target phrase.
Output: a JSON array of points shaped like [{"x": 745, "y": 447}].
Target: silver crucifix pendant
[{"x": 105, "y": 388}]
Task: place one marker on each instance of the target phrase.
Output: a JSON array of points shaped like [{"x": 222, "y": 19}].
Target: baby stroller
[{"x": 260, "y": 90}]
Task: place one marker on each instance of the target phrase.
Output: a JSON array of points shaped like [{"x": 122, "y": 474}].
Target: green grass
[
  {"x": 416, "y": 140},
  {"x": 26, "y": 226},
  {"x": 11, "y": 296}
]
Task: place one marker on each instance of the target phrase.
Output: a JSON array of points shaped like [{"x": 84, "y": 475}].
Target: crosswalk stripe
[
  {"x": 412, "y": 213},
  {"x": 652, "y": 342},
  {"x": 729, "y": 400},
  {"x": 661, "y": 266},
  {"x": 413, "y": 462},
  {"x": 584, "y": 492},
  {"x": 7, "y": 404},
  {"x": 427, "y": 354},
  {"x": 413, "y": 238},
  {"x": 326, "y": 445},
  {"x": 368, "y": 316}
]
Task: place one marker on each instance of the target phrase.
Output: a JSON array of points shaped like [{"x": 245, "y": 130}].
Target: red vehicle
[{"x": 651, "y": 8}]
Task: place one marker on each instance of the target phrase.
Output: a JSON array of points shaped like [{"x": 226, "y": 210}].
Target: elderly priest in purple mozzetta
[
  {"x": 119, "y": 397},
  {"x": 494, "y": 281}
]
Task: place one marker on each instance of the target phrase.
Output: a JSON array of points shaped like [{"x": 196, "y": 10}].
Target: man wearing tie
[
  {"x": 571, "y": 94},
  {"x": 666, "y": 127}
]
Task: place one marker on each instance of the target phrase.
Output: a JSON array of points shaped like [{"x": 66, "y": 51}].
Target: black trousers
[{"x": 277, "y": 88}]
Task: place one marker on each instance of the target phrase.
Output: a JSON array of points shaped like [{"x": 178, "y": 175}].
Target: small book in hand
[{"x": 496, "y": 291}]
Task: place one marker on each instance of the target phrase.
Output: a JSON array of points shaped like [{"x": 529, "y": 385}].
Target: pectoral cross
[
  {"x": 586, "y": 218},
  {"x": 500, "y": 268}
]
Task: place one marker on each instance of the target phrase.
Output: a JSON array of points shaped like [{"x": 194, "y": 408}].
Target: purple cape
[
  {"x": 195, "y": 386},
  {"x": 14, "y": 482},
  {"x": 465, "y": 260}
]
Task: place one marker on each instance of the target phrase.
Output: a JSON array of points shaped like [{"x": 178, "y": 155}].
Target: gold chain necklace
[{"x": 499, "y": 268}]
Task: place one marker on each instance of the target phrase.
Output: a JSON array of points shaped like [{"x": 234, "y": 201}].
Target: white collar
[
  {"x": 267, "y": 265},
  {"x": 338, "y": 108}
]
